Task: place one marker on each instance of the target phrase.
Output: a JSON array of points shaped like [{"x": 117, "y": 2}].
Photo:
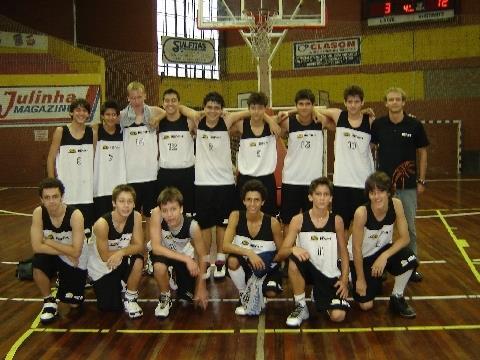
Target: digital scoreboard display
[{"x": 387, "y": 12}]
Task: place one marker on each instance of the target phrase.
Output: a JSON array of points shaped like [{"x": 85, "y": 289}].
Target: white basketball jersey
[
  {"x": 304, "y": 159},
  {"x": 109, "y": 165},
  {"x": 74, "y": 165},
  {"x": 257, "y": 155},
  {"x": 213, "y": 160},
  {"x": 175, "y": 144},
  {"x": 141, "y": 153},
  {"x": 321, "y": 245},
  {"x": 353, "y": 157}
]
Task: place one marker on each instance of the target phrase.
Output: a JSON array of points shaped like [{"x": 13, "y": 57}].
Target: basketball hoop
[{"x": 260, "y": 29}]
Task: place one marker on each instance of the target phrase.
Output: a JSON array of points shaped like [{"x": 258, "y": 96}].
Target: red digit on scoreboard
[
  {"x": 442, "y": 4},
  {"x": 388, "y": 8},
  {"x": 408, "y": 8}
]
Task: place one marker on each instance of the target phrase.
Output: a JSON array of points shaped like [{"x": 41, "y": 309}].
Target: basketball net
[{"x": 260, "y": 29}]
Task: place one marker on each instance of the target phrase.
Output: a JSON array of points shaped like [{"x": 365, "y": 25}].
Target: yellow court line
[
  {"x": 460, "y": 243},
  {"x": 11, "y": 353},
  {"x": 389, "y": 328},
  {"x": 425, "y": 328},
  {"x": 347, "y": 330},
  {"x": 172, "y": 331},
  {"x": 319, "y": 331}
]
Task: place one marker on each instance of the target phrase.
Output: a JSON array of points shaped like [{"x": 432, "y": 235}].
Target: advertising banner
[
  {"x": 188, "y": 51},
  {"x": 326, "y": 53},
  {"x": 22, "y": 40},
  {"x": 44, "y": 104}
]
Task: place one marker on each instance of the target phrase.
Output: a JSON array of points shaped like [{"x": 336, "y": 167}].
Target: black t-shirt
[{"x": 397, "y": 148}]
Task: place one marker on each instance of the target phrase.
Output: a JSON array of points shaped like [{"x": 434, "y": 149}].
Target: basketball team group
[{"x": 171, "y": 167}]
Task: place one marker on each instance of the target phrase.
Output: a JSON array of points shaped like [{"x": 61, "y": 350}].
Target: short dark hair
[
  {"x": 257, "y": 98},
  {"x": 123, "y": 188},
  {"x": 170, "y": 194},
  {"x": 171, "y": 91},
  {"x": 50, "y": 183},
  {"x": 110, "y": 104},
  {"x": 215, "y": 97},
  {"x": 378, "y": 180},
  {"x": 254, "y": 185},
  {"x": 353, "y": 90},
  {"x": 320, "y": 181},
  {"x": 305, "y": 94},
  {"x": 80, "y": 102}
]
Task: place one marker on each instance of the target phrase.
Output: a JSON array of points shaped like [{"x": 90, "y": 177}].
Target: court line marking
[
  {"x": 24, "y": 336},
  {"x": 14, "y": 213},
  {"x": 421, "y": 262},
  {"x": 447, "y": 215},
  {"x": 461, "y": 245},
  {"x": 259, "y": 351},
  {"x": 233, "y": 300},
  {"x": 296, "y": 331}
]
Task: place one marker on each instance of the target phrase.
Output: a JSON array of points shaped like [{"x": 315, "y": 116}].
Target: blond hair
[
  {"x": 395, "y": 90},
  {"x": 136, "y": 85}
]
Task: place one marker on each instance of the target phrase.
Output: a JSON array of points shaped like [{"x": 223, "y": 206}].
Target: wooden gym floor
[{"x": 447, "y": 302}]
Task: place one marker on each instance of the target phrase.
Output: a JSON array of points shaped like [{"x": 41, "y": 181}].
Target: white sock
[
  {"x": 131, "y": 295},
  {"x": 238, "y": 278},
  {"x": 401, "y": 282},
  {"x": 167, "y": 293},
  {"x": 221, "y": 257},
  {"x": 300, "y": 299}
]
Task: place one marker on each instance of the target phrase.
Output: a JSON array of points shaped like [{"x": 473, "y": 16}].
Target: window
[{"x": 178, "y": 18}]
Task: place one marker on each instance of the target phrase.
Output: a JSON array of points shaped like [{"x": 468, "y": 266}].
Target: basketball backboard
[{"x": 237, "y": 14}]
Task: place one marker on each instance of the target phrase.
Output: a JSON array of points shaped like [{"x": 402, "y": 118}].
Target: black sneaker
[
  {"x": 399, "y": 306},
  {"x": 49, "y": 310},
  {"x": 416, "y": 276}
]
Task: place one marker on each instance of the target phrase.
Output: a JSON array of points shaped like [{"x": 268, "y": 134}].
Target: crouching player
[
  {"x": 115, "y": 255},
  {"x": 58, "y": 242},
  {"x": 177, "y": 242},
  {"x": 314, "y": 242},
  {"x": 374, "y": 249},
  {"x": 252, "y": 239}
]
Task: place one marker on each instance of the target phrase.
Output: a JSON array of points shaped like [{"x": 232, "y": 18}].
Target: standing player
[
  {"x": 57, "y": 237},
  {"x": 214, "y": 180},
  {"x": 314, "y": 243},
  {"x": 176, "y": 241},
  {"x": 399, "y": 137},
  {"x": 252, "y": 239},
  {"x": 141, "y": 149},
  {"x": 257, "y": 155},
  {"x": 374, "y": 249},
  {"x": 115, "y": 254},
  {"x": 71, "y": 158},
  {"x": 109, "y": 163},
  {"x": 304, "y": 159},
  {"x": 177, "y": 154},
  {"x": 353, "y": 155}
]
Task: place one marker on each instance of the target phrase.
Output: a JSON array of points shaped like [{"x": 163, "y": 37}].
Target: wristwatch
[{"x": 421, "y": 181}]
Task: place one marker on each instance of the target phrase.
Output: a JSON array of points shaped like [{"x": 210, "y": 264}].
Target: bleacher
[{"x": 33, "y": 63}]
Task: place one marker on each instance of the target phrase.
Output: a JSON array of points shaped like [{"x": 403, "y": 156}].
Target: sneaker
[
  {"x": 171, "y": 279},
  {"x": 220, "y": 269},
  {"x": 298, "y": 315},
  {"x": 207, "y": 273},
  {"x": 274, "y": 286},
  {"x": 163, "y": 308},
  {"x": 49, "y": 310},
  {"x": 416, "y": 276},
  {"x": 132, "y": 308},
  {"x": 88, "y": 282},
  {"x": 399, "y": 306},
  {"x": 240, "y": 310}
]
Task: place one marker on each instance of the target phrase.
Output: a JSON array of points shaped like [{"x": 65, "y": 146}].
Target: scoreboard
[{"x": 389, "y": 12}]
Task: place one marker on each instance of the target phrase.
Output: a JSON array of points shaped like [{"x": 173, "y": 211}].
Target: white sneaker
[
  {"x": 49, "y": 311},
  {"x": 171, "y": 279},
  {"x": 220, "y": 270},
  {"x": 163, "y": 308},
  {"x": 207, "y": 273},
  {"x": 298, "y": 315},
  {"x": 132, "y": 308},
  {"x": 240, "y": 310}
]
